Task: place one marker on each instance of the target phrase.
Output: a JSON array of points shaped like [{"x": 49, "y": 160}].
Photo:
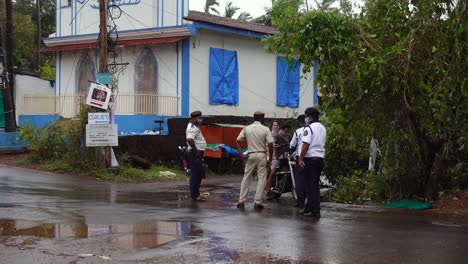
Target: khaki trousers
[{"x": 255, "y": 162}]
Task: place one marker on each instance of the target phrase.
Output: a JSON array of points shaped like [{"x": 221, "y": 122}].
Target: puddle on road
[{"x": 149, "y": 234}]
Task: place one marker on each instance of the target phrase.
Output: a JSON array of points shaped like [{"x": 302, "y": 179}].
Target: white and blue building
[{"x": 176, "y": 61}]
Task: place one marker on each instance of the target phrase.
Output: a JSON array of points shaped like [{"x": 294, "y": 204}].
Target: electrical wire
[
  {"x": 77, "y": 12},
  {"x": 125, "y": 13}
]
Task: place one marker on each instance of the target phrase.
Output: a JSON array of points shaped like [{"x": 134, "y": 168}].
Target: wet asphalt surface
[{"x": 50, "y": 218}]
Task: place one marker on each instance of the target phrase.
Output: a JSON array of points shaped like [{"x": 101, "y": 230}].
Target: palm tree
[
  {"x": 244, "y": 16},
  {"x": 276, "y": 4},
  {"x": 325, "y": 5},
  {"x": 210, "y": 6},
  {"x": 230, "y": 10}
]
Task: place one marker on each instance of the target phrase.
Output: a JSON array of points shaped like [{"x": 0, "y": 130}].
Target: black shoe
[
  {"x": 258, "y": 206},
  {"x": 310, "y": 214},
  {"x": 240, "y": 205},
  {"x": 299, "y": 205}
]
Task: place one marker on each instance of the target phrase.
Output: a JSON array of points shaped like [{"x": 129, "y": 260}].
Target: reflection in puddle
[{"x": 148, "y": 234}]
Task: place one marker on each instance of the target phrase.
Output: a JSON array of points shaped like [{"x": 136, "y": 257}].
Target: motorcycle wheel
[{"x": 284, "y": 185}]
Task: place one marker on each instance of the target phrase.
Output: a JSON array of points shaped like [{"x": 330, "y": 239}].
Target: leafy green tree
[
  {"x": 25, "y": 30},
  {"x": 325, "y": 5},
  {"x": 210, "y": 6},
  {"x": 277, "y": 7},
  {"x": 244, "y": 16},
  {"x": 397, "y": 72},
  {"x": 25, "y": 50},
  {"x": 230, "y": 10}
]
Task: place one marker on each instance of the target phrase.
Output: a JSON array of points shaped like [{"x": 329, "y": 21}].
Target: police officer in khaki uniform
[
  {"x": 196, "y": 146},
  {"x": 258, "y": 139}
]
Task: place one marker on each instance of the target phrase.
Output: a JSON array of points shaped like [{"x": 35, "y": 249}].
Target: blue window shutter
[
  {"x": 287, "y": 83},
  {"x": 223, "y": 77},
  {"x": 294, "y": 76},
  {"x": 281, "y": 77}
]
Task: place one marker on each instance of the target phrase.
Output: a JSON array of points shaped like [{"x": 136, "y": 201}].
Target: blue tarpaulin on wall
[
  {"x": 224, "y": 77},
  {"x": 287, "y": 82}
]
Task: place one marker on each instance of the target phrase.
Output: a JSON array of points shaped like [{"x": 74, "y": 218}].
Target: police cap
[
  {"x": 259, "y": 113},
  {"x": 312, "y": 111},
  {"x": 195, "y": 114},
  {"x": 301, "y": 118}
]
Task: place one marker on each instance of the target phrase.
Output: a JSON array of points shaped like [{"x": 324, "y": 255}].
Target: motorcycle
[
  {"x": 184, "y": 157},
  {"x": 283, "y": 180}
]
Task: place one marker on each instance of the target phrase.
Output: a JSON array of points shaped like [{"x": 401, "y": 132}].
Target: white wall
[
  {"x": 29, "y": 85},
  {"x": 169, "y": 76},
  {"x": 257, "y": 77},
  {"x": 80, "y": 18}
]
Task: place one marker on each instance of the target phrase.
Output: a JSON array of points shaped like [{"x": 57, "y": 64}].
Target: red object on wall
[{"x": 220, "y": 134}]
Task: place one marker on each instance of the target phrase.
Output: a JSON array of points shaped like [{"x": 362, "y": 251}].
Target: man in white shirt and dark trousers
[
  {"x": 311, "y": 160},
  {"x": 197, "y": 146},
  {"x": 296, "y": 143}
]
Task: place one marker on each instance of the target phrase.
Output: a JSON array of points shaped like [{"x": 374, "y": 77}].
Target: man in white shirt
[
  {"x": 197, "y": 146},
  {"x": 296, "y": 143},
  {"x": 311, "y": 160}
]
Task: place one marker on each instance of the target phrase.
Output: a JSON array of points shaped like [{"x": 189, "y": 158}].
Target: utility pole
[
  {"x": 39, "y": 33},
  {"x": 103, "y": 59},
  {"x": 7, "y": 74}
]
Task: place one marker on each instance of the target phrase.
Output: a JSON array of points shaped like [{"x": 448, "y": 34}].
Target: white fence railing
[{"x": 70, "y": 105}]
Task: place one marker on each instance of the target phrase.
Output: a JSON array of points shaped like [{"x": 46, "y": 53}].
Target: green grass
[
  {"x": 122, "y": 174},
  {"x": 28, "y": 160}
]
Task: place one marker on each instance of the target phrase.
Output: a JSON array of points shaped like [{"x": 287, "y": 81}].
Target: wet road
[{"x": 49, "y": 218}]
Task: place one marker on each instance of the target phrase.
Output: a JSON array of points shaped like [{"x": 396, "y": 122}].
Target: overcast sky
[{"x": 254, "y": 7}]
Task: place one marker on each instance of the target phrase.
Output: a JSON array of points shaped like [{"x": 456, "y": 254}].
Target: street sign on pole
[
  {"x": 98, "y": 96},
  {"x": 104, "y": 77},
  {"x": 98, "y": 118},
  {"x": 102, "y": 135}
]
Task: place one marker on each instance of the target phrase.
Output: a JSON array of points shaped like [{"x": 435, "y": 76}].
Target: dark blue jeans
[
  {"x": 313, "y": 169},
  {"x": 196, "y": 166},
  {"x": 300, "y": 185}
]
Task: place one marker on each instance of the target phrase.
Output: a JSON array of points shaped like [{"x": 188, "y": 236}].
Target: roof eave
[
  {"x": 152, "y": 33},
  {"x": 236, "y": 31}
]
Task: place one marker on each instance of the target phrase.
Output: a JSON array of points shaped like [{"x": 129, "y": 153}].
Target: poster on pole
[
  {"x": 102, "y": 135},
  {"x": 98, "y": 96},
  {"x": 98, "y": 118}
]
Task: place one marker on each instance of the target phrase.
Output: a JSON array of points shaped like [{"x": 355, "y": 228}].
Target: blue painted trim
[
  {"x": 183, "y": 12},
  {"x": 67, "y": 6},
  {"x": 71, "y": 15},
  {"x": 59, "y": 74},
  {"x": 75, "y": 21},
  {"x": 315, "y": 82},
  {"x": 177, "y": 72},
  {"x": 9, "y": 142},
  {"x": 193, "y": 30},
  {"x": 242, "y": 32},
  {"x": 60, "y": 22},
  {"x": 56, "y": 18},
  {"x": 162, "y": 14},
  {"x": 57, "y": 59},
  {"x": 185, "y": 77},
  {"x": 122, "y": 31},
  {"x": 128, "y": 124},
  {"x": 37, "y": 121}
]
